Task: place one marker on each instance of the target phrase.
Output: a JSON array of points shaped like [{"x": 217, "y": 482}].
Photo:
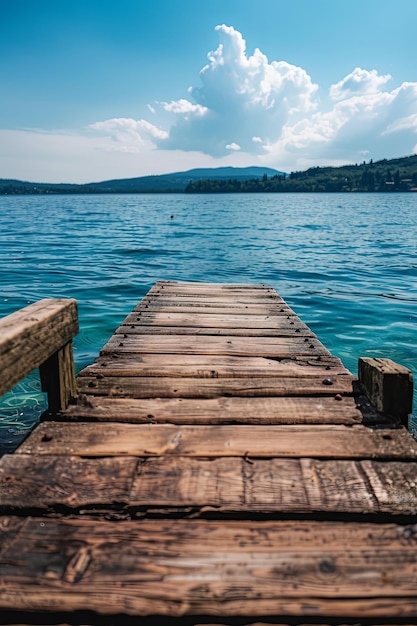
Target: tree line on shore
[{"x": 382, "y": 176}]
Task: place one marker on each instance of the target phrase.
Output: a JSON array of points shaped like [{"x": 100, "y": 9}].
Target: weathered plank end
[
  {"x": 40, "y": 335},
  {"x": 388, "y": 385}
]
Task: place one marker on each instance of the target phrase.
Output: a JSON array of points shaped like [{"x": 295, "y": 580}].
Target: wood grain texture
[
  {"x": 281, "y": 347},
  {"x": 212, "y": 320},
  {"x": 176, "y": 288},
  {"x": 58, "y": 378},
  {"x": 388, "y": 385},
  {"x": 236, "y": 299},
  {"x": 193, "y": 306},
  {"x": 277, "y": 485},
  {"x": 227, "y": 568},
  {"x": 51, "y": 481},
  {"x": 222, "y": 410},
  {"x": 148, "y": 387},
  {"x": 216, "y": 486},
  {"x": 290, "y": 331},
  {"x": 217, "y": 366},
  {"x": 32, "y": 335},
  {"x": 329, "y": 441}
]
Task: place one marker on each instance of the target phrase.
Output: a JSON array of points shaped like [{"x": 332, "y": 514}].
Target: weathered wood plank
[
  {"x": 213, "y": 291},
  {"x": 214, "y": 387},
  {"x": 228, "y": 484},
  {"x": 9, "y": 525},
  {"x": 291, "y": 331},
  {"x": 193, "y": 306},
  {"x": 238, "y": 297},
  {"x": 213, "y": 320},
  {"x": 45, "y": 481},
  {"x": 223, "y": 410},
  {"x": 118, "y": 439},
  {"x": 151, "y": 387},
  {"x": 388, "y": 385},
  {"x": 229, "y": 346},
  {"x": 204, "y": 288},
  {"x": 203, "y": 294},
  {"x": 277, "y": 485},
  {"x": 30, "y": 336},
  {"x": 233, "y": 568},
  {"x": 58, "y": 378},
  {"x": 217, "y": 366}
]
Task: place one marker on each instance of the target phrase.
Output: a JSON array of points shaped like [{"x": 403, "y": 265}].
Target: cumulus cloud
[
  {"x": 240, "y": 97},
  {"x": 358, "y": 82},
  {"x": 374, "y": 122},
  {"x": 271, "y": 111},
  {"x": 185, "y": 108},
  {"x": 129, "y": 135}
]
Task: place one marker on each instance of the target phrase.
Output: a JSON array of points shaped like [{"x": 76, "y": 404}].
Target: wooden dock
[{"x": 215, "y": 464}]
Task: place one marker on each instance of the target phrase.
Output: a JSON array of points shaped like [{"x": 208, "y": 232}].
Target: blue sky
[{"x": 98, "y": 89}]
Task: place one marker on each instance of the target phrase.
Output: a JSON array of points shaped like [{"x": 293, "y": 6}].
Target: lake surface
[{"x": 346, "y": 263}]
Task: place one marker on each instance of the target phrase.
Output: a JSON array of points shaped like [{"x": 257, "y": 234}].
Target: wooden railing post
[
  {"x": 58, "y": 378},
  {"x": 40, "y": 335},
  {"x": 388, "y": 385}
]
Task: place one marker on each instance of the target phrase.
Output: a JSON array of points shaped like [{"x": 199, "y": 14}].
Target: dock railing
[{"x": 40, "y": 336}]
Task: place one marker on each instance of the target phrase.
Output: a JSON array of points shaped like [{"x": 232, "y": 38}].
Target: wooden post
[
  {"x": 40, "y": 335},
  {"x": 58, "y": 378},
  {"x": 388, "y": 385}
]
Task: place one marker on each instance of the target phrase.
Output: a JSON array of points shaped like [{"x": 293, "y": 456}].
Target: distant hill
[
  {"x": 163, "y": 183},
  {"x": 398, "y": 174},
  {"x": 179, "y": 180}
]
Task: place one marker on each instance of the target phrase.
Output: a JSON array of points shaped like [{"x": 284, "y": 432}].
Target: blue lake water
[{"x": 346, "y": 263}]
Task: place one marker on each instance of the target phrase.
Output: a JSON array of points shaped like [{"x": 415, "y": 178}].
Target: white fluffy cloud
[
  {"x": 129, "y": 135},
  {"x": 272, "y": 112},
  {"x": 357, "y": 83},
  {"x": 185, "y": 108},
  {"x": 241, "y": 96},
  {"x": 375, "y": 122}
]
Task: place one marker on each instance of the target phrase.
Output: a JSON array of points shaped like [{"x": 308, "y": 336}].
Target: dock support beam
[{"x": 388, "y": 385}]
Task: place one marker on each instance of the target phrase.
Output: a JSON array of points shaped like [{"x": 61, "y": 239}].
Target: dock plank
[
  {"x": 217, "y": 366},
  {"x": 196, "y": 289},
  {"x": 116, "y": 439},
  {"x": 226, "y": 345},
  {"x": 213, "y": 320},
  {"x": 222, "y": 485},
  {"x": 55, "y": 481},
  {"x": 149, "y": 387},
  {"x": 221, "y": 568},
  {"x": 237, "y": 300},
  {"x": 222, "y": 410},
  {"x": 278, "y": 485},
  {"x": 207, "y": 331},
  {"x": 218, "y": 307}
]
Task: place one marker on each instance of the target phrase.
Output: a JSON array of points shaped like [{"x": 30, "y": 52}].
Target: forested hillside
[{"x": 382, "y": 176}]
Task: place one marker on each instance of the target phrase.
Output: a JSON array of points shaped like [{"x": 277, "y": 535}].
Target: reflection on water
[
  {"x": 345, "y": 263},
  {"x": 20, "y": 410}
]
